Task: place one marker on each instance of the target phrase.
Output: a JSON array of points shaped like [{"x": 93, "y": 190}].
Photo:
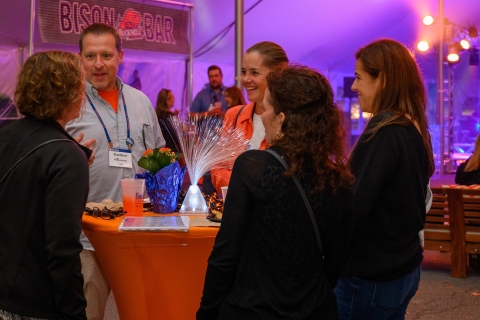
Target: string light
[
  {"x": 423, "y": 46},
  {"x": 428, "y": 20}
]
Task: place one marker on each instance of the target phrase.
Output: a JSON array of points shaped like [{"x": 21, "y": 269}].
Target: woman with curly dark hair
[{"x": 267, "y": 262}]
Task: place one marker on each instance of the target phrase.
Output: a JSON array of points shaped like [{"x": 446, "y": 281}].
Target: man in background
[
  {"x": 120, "y": 122},
  {"x": 211, "y": 99}
]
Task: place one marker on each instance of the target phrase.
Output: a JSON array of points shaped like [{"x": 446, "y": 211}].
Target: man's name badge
[{"x": 120, "y": 158}]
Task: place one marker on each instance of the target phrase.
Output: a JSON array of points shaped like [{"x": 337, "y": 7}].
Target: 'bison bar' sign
[{"x": 142, "y": 27}]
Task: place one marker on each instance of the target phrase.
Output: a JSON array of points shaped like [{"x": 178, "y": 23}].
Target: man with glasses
[
  {"x": 120, "y": 122},
  {"x": 211, "y": 99}
]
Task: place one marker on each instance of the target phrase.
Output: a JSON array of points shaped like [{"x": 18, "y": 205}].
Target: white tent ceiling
[{"x": 322, "y": 34}]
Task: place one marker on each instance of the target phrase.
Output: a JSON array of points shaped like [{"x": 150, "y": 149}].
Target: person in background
[
  {"x": 258, "y": 61},
  {"x": 392, "y": 163},
  {"x": 165, "y": 102},
  {"x": 43, "y": 191},
  {"x": 234, "y": 97},
  {"x": 468, "y": 173},
  {"x": 136, "y": 83},
  {"x": 120, "y": 121},
  {"x": 210, "y": 101},
  {"x": 266, "y": 262}
]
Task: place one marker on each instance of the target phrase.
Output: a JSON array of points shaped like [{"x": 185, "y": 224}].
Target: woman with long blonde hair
[{"x": 468, "y": 173}]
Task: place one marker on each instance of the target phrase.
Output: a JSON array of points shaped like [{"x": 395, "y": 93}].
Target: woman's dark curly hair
[
  {"x": 312, "y": 131},
  {"x": 50, "y": 84}
]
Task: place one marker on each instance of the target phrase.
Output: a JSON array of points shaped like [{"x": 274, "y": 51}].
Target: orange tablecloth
[
  {"x": 460, "y": 186},
  {"x": 153, "y": 275}
]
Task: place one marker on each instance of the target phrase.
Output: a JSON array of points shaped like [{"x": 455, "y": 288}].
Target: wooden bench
[
  {"x": 469, "y": 231},
  {"x": 438, "y": 235},
  {"x": 453, "y": 225}
]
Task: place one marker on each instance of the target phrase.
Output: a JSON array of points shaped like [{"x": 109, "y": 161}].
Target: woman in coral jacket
[{"x": 258, "y": 61}]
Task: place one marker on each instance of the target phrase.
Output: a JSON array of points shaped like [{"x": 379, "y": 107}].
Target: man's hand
[
  {"x": 87, "y": 143},
  {"x": 212, "y": 112},
  {"x": 215, "y": 112}
]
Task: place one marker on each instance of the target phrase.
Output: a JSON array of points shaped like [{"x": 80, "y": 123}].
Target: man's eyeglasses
[{"x": 104, "y": 213}]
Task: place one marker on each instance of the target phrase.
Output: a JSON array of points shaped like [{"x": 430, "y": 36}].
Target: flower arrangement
[
  {"x": 156, "y": 159},
  {"x": 163, "y": 179}
]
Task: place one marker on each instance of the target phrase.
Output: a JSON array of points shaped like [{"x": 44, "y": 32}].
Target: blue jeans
[{"x": 363, "y": 299}]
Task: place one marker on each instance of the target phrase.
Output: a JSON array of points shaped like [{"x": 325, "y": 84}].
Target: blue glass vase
[{"x": 163, "y": 187}]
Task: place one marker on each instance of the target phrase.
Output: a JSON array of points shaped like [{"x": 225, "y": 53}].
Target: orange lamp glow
[
  {"x": 428, "y": 20},
  {"x": 422, "y": 46},
  {"x": 453, "y": 57},
  {"x": 465, "y": 44}
]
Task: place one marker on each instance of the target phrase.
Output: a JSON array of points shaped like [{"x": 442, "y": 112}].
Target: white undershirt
[{"x": 258, "y": 132}]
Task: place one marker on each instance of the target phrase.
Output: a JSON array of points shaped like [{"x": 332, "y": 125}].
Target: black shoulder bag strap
[
  {"x": 29, "y": 153},
  {"x": 236, "y": 119},
  {"x": 305, "y": 200},
  {"x": 164, "y": 122}
]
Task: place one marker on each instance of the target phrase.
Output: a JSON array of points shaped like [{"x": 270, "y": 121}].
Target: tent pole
[
  {"x": 238, "y": 42},
  {"x": 32, "y": 27},
  {"x": 440, "y": 93},
  {"x": 190, "y": 63}
]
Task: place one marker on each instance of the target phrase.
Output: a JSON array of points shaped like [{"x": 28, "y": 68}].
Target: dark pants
[
  {"x": 363, "y": 299},
  {"x": 207, "y": 185}
]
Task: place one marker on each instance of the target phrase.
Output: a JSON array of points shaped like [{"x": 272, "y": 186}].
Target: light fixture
[
  {"x": 423, "y": 46},
  {"x": 453, "y": 53},
  {"x": 449, "y": 32},
  {"x": 428, "y": 20},
  {"x": 474, "y": 59},
  {"x": 465, "y": 44},
  {"x": 472, "y": 32}
]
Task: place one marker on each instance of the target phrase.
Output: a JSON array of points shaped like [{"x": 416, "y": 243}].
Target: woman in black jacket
[
  {"x": 468, "y": 173},
  {"x": 266, "y": 262},
  {"x": 165, "y": 102},
  {"x": 392, "y": 163},
  {"x": 43, "y": 197}
]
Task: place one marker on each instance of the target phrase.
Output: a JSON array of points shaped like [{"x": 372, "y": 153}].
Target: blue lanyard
[
  {"x": 129, "y": 140},
  {"x": 219, "y": 94}
]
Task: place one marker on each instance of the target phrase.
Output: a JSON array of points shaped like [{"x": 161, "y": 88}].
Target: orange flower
[
  {"x": 156, "y": 159},
  {"x": 147, "y": 153}
]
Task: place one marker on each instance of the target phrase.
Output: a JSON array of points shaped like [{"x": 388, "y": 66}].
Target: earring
[{"x": 278, "y": 135}]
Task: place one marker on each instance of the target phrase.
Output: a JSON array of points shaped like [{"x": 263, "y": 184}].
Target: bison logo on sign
[{"x": 130, "y": 25}]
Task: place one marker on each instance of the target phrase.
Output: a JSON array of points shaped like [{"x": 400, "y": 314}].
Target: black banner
[{"x": 141, "y": 26}]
